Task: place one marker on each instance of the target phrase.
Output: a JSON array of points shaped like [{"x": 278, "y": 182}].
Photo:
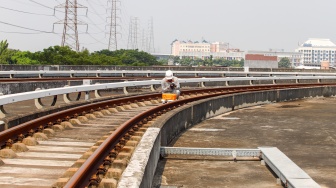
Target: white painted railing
[
  {"x": 65, "y": 91},
  {"x": 149, "y": 73}
]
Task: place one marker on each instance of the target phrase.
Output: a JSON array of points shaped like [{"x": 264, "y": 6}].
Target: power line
[
  {"x": 24, "y": 33},
  {"x": 98, "y": 41},
  {"x": 25, "y": 27},
  {"x": 41, "y": 4},
  {"x": 99, "y": 4},
  {"x": 95, "y": 12},
  {"x": 25, "y": 11}
]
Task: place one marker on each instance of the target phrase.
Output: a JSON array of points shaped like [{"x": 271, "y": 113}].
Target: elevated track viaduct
[{"x": 136, "y": 146}]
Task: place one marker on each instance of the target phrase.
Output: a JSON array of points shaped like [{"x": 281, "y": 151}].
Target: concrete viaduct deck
[{"x": 209, "y": 109}]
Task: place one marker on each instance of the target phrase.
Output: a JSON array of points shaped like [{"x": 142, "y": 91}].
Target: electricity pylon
[
  {"x": 113, "y": 41},
  {"x": 70, "y": 22}
]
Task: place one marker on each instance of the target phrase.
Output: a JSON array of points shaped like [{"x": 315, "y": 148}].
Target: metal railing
[
  {"x": 65, "y": 91},
  {"x": 149, "y": 73}
]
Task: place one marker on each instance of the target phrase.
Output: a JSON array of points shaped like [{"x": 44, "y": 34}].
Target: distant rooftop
[
  {"x": 190, "y": 41},
  {"x": 315, "y": 42}
]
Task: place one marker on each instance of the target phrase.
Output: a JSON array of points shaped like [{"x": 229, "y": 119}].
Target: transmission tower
[
  {"x": 113, "y": 42},
  {"x": 151, "y": 36},
  {"x": 143, "y": 41},
  {"x": 130, "y": 34},
  {"x": 70, "y": 22},
  {"x": 133, "y": 34}
]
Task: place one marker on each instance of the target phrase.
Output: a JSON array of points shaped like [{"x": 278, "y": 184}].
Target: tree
[
  {"x": 4, "y": 56},
  {"x": 57, "y": 55},
  {"x": 23, "y": 58},
  {"x": 3, "y": 47},
  {"x": 284, "y": 63}
]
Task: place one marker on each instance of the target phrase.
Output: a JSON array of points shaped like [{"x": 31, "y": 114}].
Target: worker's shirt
[{"x": 165, "y": 85}]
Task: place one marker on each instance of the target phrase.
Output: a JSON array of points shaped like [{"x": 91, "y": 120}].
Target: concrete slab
[
  {"x": 303, "y": 130},
  {"x": 32, "y": 162},
  {"x": 303, "y": 183},
  {"x": 7, "y": 180},
  {"x": 206, "y": 130},
  {"x": 283, "y": 164},
  {"x": 98, "y": 125},
  {"x": 57, "y": 149},
  {"x": 72, "y": 144},
  {"x": 35, "y": 171},
  {"x": 49, "y": 155}
]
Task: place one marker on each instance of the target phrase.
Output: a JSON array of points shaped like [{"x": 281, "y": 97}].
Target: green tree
[
  {"x": 284, "y": 63},
  {"x": 3, "y": 46},
  {"x": 3, "y": 52},
  {"x": 130, "y": 57},
  {"x": 6, "y": 53},
  {"x": 58, "y": 55},
  {"x": 23, "y": 58}
]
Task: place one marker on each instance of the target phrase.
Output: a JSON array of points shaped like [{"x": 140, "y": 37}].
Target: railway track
[
  {"x": 91, "y": 144},
  {"x": 62, "y": 151}
]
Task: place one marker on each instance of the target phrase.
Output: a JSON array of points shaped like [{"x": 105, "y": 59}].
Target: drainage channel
[{"x": 285, "y": 169}]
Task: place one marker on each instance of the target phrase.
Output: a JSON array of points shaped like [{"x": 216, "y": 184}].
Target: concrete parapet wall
[
  {"x": 19, "y": 87},
  {"x": 141, "y": 169},
  {"x": 183, "y": 118},
  {"x": 177, "y": 121},
  {"x": 112, "y": 67}
]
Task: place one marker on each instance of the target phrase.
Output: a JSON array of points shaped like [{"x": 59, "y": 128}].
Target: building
[
  {"x": 295, "y": 58},
  {"x": 204, "y": 50},
  {"x": 160, "y": 56},
  {"x": 315, "y": 51},
  {"x": 260, "y": 61},
  {"x": 325, "y": 65}
]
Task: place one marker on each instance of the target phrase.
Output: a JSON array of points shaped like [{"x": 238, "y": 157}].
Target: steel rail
[
  {"x": 24, "y": 128},
  {"x": 45, "y": 121},
  {"x": 90, "y": 167}
]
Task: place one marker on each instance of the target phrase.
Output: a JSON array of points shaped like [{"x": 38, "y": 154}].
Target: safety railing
[
  {"x": 150, "y": 73},
  {"x": 65, "y": 91}
]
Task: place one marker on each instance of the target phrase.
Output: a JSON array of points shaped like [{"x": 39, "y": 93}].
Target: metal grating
[{"x": 234, "y": 152}]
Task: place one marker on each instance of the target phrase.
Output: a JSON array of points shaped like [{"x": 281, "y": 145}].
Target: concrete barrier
[{"x": 176, "y": 121}]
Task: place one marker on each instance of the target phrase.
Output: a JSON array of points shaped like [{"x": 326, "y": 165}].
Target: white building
[
  {"x": 314, "y": 51},
  {"x": 295, "y": 58},
  {"x": 204, "y": 50}
]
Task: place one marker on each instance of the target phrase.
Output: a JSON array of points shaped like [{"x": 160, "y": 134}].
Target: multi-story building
[
  {"x": 204, "y": 50},
  {"x": 260, "y": 61},
  {"x": 295, "y": 58},
  {"x": 314, "y": 51}
]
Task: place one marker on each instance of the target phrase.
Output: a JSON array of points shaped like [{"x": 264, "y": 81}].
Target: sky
[{"x": 244, "y": 24}]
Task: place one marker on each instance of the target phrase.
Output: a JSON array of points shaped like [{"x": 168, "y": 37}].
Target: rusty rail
[
  {"x": 48, "y": 120},
  {"x": 51, "y": 119},
  {"x": 89, "y": 168}
]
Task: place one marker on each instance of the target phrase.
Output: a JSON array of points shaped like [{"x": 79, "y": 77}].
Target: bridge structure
[
  {"x": 86, "y": 87},
  {"x": 274, "y": 158},
  {"x": 153, "y": 73}
]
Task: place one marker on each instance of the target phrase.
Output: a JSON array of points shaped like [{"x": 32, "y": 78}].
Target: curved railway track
[{"x": 101, "y": 136}]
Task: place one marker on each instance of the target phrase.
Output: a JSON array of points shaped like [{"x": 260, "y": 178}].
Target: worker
[{"x": 170, "y": 84}]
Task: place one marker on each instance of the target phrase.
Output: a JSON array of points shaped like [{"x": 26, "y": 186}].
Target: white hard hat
[{"x": 169, "y": 74}]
